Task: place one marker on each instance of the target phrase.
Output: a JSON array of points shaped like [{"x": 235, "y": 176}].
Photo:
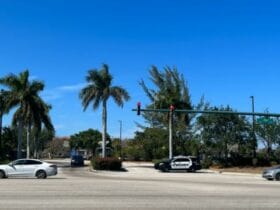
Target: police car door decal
[{"x": 180, "y": 164}]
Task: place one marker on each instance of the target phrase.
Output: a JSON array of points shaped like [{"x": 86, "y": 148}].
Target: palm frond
[
  {"x": 88, "y": 94},
  {"x": 119, "y": 95}
]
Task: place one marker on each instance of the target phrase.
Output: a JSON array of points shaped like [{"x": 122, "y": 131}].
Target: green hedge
[{"x": 107, "y": 163}]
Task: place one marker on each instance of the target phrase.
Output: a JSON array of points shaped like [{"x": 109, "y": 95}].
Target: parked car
[
  {"x": 187, "y": 163},
  {"x": 28, "y": 168},
  {"x": 77, "y": 160},
  {"x": 272, "y": 173}
]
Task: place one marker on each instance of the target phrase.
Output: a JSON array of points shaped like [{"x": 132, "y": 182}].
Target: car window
[
  {"x": 182, "y": 160},
  {"x": 19, "y": 162},
  {"x": 33, "y": 162}
]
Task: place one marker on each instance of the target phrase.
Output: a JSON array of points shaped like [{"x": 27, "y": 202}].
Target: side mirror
[{"x": 11, "y": 164}]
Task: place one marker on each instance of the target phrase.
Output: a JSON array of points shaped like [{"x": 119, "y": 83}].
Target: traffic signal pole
[
  {"x": 188, "y": 111},
  {"x": 172, "y": 110}
]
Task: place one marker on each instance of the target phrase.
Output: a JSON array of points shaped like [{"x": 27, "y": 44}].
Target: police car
[{"x": 186, "y": 163}]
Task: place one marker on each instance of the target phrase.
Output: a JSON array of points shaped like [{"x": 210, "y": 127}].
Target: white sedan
[{"x": 28, "y": 168}]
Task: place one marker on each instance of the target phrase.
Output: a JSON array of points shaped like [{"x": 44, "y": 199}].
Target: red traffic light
[{"x": 138, "y": 108}]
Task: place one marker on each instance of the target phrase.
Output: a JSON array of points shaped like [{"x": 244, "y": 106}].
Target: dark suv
[
  {"x": 77, "y": 160},
  {"x": 186, "y": 163}
]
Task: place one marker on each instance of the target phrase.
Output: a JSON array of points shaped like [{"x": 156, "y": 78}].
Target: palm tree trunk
[
  {"x": 36, "y": 145},
  {"x": 28, "y": 141},
  {"x": 1, "y": 119},
  {"x": 104, "y": 124},
  {"x": 19, "y": 146}
]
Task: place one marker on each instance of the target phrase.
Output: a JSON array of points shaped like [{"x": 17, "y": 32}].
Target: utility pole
[
  {"x": 120, "y": 138},
  {"x": 171, "y": 131},
  {"x": 253, "y": 127}
]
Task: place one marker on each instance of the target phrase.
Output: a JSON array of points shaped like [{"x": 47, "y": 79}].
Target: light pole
[
  {"x": 171, "y": 112},
  {"x": 120, "y": 138},
  {"x": 253, "y": 127}
]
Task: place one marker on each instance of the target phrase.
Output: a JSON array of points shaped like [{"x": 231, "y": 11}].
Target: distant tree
[
  {"x": 221, "y": 131},
  {"x": 41, "y": 140},
  {"x": 150, "y": 144},
  {"x": 117, "y": 147},
  {"x": 98, "y": 91},
  {"x": 9, "y": 138},
  {"x": 56, "y": 148},
  {"x": 170, "y": 89},
  {"x": 269, "y": 134},
  {"x": 88, "y": 139}
]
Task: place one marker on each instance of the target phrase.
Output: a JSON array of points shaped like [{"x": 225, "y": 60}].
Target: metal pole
[
  {"x": 253, "y": 127},
  {"x": 211, "y": 112},
  {"x": 120, "y": 138},
  {"x": 170, "y": 132}
]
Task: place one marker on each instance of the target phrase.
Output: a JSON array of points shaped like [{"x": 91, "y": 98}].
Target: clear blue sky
[{"x": 228, "y": 50}]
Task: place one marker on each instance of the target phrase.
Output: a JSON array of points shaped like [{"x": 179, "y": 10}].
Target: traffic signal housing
[
  {"x": 138, "y": 108},
  {"x": 172, "y": 108}
]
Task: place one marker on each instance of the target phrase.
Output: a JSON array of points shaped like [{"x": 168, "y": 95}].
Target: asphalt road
[{"x": 141, "y": 187}]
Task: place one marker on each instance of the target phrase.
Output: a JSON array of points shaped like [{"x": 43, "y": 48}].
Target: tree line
[{"x": 221, "y": 139}]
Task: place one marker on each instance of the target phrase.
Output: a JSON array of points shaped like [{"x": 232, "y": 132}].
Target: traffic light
[
  {"x": 138, "y": 108},
  {"x": 172, "y": 108}
]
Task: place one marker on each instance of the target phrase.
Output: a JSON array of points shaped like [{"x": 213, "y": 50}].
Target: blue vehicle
[{"x": 77, "y": 160}]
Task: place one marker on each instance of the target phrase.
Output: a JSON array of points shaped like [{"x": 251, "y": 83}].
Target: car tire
[
  {"x": 191, "y": 169},
  {"x": 41, "y": 174},
  {"x": 164, "y": 169},
  {"x": 277, "y": 177},
  {"x": 2, "y": 175}
]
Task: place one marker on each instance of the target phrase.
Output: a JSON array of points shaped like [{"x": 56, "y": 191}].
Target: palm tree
[
  {"x": 42, "y": 117},
  {"x": 31, "y": 108},
  {"x": 2, "y": 111},
  {"x": 98, "y": 90}
]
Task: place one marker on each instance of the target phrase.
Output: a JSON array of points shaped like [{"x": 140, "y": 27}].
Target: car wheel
[
  {"x": 191, "y": 169},
  {"x": 41, "y": 175},
  {"x": 2, "y": 175},
  {"x": 277, "y": 177},
  {"x": 164, "y": 169}
]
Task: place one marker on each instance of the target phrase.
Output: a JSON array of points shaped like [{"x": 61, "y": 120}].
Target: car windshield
[{"x": 77, "y": 157}]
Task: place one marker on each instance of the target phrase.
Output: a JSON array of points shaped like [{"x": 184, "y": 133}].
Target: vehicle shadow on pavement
[
  {"x": 191, "y": 172},
  {"x": 34, "y": 178}
]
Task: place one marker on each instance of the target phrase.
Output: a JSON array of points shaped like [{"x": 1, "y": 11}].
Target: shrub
[
  {"x": 206, "y": 163},
  {"x": 273, "y": 163},
  {"x": 107, "y": 163}
]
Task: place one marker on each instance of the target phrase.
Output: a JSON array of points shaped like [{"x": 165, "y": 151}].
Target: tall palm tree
[
  {"x": 41, "y": 118},
  {"x": 98, "y": 90},
  {"x": 37, "y": 113},
  {"x": 2, "y": 111},
  {"x": 24, "y": 95}
]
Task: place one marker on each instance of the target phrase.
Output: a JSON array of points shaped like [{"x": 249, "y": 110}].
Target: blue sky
[{"x": 227, "y": 51}]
